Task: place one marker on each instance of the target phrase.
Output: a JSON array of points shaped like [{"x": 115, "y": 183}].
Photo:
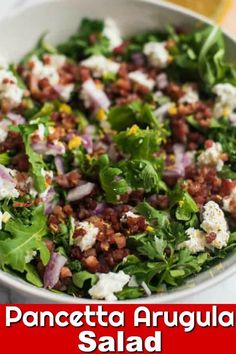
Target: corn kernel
[
  {"x": 172, "y": 110},
  {"x": 65, "y": 108},
  {"x": 226, "y": 111},
  {"x": 133, "y": 130},
  {"x": 101, "y": 114},
  {"x": 74, "y": 143},
  {"x": 149, "y": 228},
  {"x": 6, "y": 217}
]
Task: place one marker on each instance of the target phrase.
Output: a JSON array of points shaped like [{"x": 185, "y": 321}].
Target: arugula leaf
[
  {"x": 141, "y": 174},
  {"x": 79, "y": 45},
  {"x": 140, "y": 144},
  {"x": 186, "y": 206},
  {"x": 81, "y": 277},
  {"x": 153, "y": 215},
  {"x": 36, "y": 161},
  {"x": 137, "y": 112},
  {"x": 24, "y": 239},
  {"x": 4, "y": 159},
  {"x": 32, "y": 276},
  {"x": 113, "y": 183},
  {"x": 130, "y": 293},
  {"x": 42, "y": 47}
]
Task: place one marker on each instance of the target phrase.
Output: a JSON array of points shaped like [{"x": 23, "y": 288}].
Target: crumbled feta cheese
[
  {"x": 142, "y": 79},
  {"x": 158, "y": 55},
  {"x": 9, "y": 88},
  {"x": 214, "y": 221},
  {"x": 196, "y": 242},
  {"x": 101, "y": 65},
  {"x": 7, "y": 183},
  {"x": 108, "y": 284},
  {"x": 112, "y": 32},
  {"x": 128, "y": 214},
  {"x": 212, "y": 157},
  {"x": 30, "y": 256},
  {"x": 226, "y": 99},
  {"x": 227, "y": 201},
  {"x": 86, "y": 241},
  {"x": 50, "y": 71},
  {"x": 45, "y": 71},
  {"x": 191, "y": 96},
  {"x": 4, "y": 130}
]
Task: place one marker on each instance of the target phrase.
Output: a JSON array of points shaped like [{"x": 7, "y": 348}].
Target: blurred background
[{"x": 221, "y": 11}]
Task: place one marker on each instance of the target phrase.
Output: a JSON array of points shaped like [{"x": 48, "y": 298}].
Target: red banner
[{"x": 168, "y": 329}]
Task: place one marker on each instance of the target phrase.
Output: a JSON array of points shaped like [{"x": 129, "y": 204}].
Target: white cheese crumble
[
  {"x": 142, "y": 79},
  {"x": 4, "y": 218},
  {"x": 157, "y": 54},
  {"x": 214, "y": 221},
  {"x": 9, "y": 88},
  {"x": 226, "y": 99},
  {"x": 196, "y": 242},
  {"x": 112, "y": 32},
  {"x": 100, "y": 65},
  {"x": 4, "y": 130},
  {"x": 191, "y": 96},
  {"x": 108, "y": 284},
  {"x": 227, "y": 201},
  {"x": 86, "y": 241},
  {"x": 50, "y": 71},
  {"x": 7, "y": 183},
  {"x": 30, "y": 256},
  {"x": 162, "y": 111},
  {"x": 93, "y": 96},
  {"x": 212, "y": 156}
]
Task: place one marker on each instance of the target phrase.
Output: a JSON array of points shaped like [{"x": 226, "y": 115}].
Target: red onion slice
[
  {"x": 53, "y": 269},
  {"x": 80, "y": 192},
  {"x": 59, "y": 165},
  {"x": 96, "y": 97},
  {"x": 87, "y": 142}
]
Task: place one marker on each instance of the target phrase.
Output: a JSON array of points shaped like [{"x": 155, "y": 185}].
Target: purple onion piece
[
  {"x": 53, "y": 269},
  {"x": 97, "y": 97},
  {"x": 42, "y": 147},
  {"x": 87, "y": 142},
  {"x": 138, "y": 59},
  {"x": 49, "y": 201},
  {"x": 80, "y": 192},
  {"x": 162, "y": 81},
  {"x": 99, "y": 210},
  {"x": 59, "y": 163},
  {"x": 16, "y": 118},
  {"x": 5, "y": 175}
]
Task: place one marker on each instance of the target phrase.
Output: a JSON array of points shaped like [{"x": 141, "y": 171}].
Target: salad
[{"x": 118, "y": 161}]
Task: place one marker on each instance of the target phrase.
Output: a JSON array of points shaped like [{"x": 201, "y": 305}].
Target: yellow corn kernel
[
  {"x": 74, "y": 143},
  {"x": 6, "y": 217},
  {"x": 172, "y": 110},
  {"x": 172, "y": 157},
  {"x": 101, "y": 115},
  {"x": 226, "y": 111},
  {"x": 65, "y": 108},
  {"x": 149, "y": 228},
  {"x": 133, "y": 130}
]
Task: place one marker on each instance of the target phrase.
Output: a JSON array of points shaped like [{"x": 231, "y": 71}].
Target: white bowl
[{"x": 19, "y": 32}]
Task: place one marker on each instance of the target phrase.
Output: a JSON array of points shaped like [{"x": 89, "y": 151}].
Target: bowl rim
[{"x": 42, "y": 295}]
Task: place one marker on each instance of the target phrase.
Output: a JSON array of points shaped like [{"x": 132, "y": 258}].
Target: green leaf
[
  {"x": 36, "y": 161},
  {"x": 130, "y": 293},
  {"x": 25, "y": 239},
  {"x": 113, "y": 183},
  {"x": 80, "y": 278},
  {"x": 32, "y": 276},
  {"x": 153, "y": 215},
  {"x": 4, "y": 159}
]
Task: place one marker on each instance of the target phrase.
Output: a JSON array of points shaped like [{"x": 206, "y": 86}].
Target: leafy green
[
  {"x": 80, "y": 278},
  {"x": 79, "y": 45},
  {"x": 139, "y": 145},
  {"x": 42, "y": 47},
  {"x": 130, "y": 293},
  {"x": 186, "y": 206},
  {"x": 32, "y": 276},
  {"x": 4, "y": 159},
  {"x": 23, "y": 240},
  {"x": 137, "y": 112},
  {"x": 113, "y": 183},
  {"x": 36, "y": 161},
  {"x": 142, "y": 174},
  {"x": 152, "y": 214}
]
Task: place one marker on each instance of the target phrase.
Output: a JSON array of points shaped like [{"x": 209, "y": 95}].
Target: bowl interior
[{"x": 19, "y": 33}]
